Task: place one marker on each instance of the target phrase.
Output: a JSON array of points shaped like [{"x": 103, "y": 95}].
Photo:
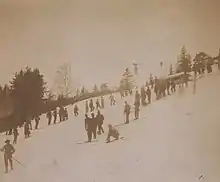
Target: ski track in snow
[{"x": 176, "y": 139}]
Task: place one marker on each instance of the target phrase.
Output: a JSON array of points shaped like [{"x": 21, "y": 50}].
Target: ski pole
[{"x": 19, "y": 162}]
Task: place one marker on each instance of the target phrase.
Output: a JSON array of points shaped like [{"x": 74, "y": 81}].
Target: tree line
[{"x": 27, "y": 95}]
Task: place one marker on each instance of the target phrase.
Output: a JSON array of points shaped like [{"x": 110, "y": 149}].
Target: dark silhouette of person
[
  {"x": 49, "y": 117},
  {"x": 100, "y": 121},
  {"x": 8, "y": 150},
  {"x": 37, "y": 120},
  {"x": 149, "y": 95},
  {"x": 88, "y": 127},
  {"x": 102, "y": 102},
  {"x": 113, "y": 132},
  {"x": 61, "y": 113},
  {"x": 86, "y": 107},
  {"x": 127, "y": 110},
  {"x": 173, "y": 86},
  {"x": 15, "y": 132},
  {"x": 26, "y": 130},
  {"x": 137, "y": 98},
  {"x": 98, "y": 106},
  {"x": 112, "y": 100},
  {"x": 143, "y": 96},
  {"x": 55, "y": 116},
  {"x": 91, "y": 106},
  {"x": 94, "y": 125},
  {"x": 168, "y": 86},
  {"x": 65, "y": 114},
  {"x": 76, "y": 110}
]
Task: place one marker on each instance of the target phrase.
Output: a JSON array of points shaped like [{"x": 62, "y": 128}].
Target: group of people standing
[{"x": 94, "y": 125}]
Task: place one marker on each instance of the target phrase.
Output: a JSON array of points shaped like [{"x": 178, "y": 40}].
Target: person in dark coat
[
  {"x": 76, "y": 110},
  {"x": 37, "y": 120},
  {"x": 15, "y": 132},
  {"x": 91, "y": 106},
  {"x": 55, "y": 116},
  {"x": 127, "y": 110},
  {"x": 173, "y": 86},
  {"x": 168, "y": 86},
  {"x": 26, "y": 130},
  {"x": 137, "y": 105},
  {"x": 102, "y": 102},
  {"x": 98, "y": 106},
  {"x": 143, "y": 96},
  {"x": 90, "y": 127},
  {"x": 94, "y": 125},
  {"x": 86, "y": 107},
  {"x": 65, "y": 114},
  {"x": 49, "y": 117},
  {"x": 149, "y": 95},
  {"x": 61, "y": 114},
  {"x": 8, "y": 150},
  {"x": 113, "y": 132},
  {"x": 100, "y": 120}
]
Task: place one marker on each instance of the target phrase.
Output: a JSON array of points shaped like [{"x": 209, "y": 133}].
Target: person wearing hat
[
  {"x": 8, "y": 150},
  {"x": 113, "y": 132}
]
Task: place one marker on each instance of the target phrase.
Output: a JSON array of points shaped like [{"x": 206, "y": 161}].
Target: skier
[
  {"x": 65, "y": 114},
  {"x": 8, "y": 150},
  {"x": 168, "y": 86},
  {"x": 86, "y": 107},
  {"x": 98, "y": 104},
  {"x": 143, "y": 96},
  {"x": 37, "y": 120},
  {"x": 55, "y": 116},
  {"x": 49, "y": 117},
  {"x": 149, "y": 95},
  {"x": 113, "y": 132},
  {"x": 61, "y": 113},
  {"x": 112, "y": 100},
  {"x": 90, "y": 127},
  {"x": 137, "y": 98},
  {"x": 94, "y": 125},
  {"x": 127, "y": 110},
  {"x": 100, "y": 120},
  {"x": 173, "y": 86},
  {"x": 15, "y": 132},
  {"x": 26, "y": 130},
  {"x": 91, "y": 106},
  {"x": 76, "y": 110},
  {"x": 102, "y": 102}
]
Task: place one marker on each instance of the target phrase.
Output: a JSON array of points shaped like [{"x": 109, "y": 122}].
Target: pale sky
[{"x": 102, "y": 37}]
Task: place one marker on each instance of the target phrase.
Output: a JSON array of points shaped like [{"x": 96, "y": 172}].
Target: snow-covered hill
[{"x": 176, "y": 139}]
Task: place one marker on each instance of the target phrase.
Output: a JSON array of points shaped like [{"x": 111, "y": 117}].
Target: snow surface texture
[{"x": 176, "y": 140}]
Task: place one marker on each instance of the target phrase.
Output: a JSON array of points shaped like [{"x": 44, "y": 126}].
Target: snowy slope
[{"x": 176, "y": 139}]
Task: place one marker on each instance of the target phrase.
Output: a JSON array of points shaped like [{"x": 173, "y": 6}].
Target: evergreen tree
[
  {"x": 27, "y": 91},
  {"x": 127, "y": 81},
  {"x": 95, "y": 89},
  {"x": 184, "y": 61}
]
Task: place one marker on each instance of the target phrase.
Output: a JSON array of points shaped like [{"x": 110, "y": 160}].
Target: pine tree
[
  {"x": 27, "y": 91},
  {"x": 127, "y": 81},
  {"x": 95, "y": 89},
  {"x": 184, "y": 61}
]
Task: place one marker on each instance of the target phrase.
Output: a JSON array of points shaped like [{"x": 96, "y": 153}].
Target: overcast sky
[{"x": 102, "y": 37}]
